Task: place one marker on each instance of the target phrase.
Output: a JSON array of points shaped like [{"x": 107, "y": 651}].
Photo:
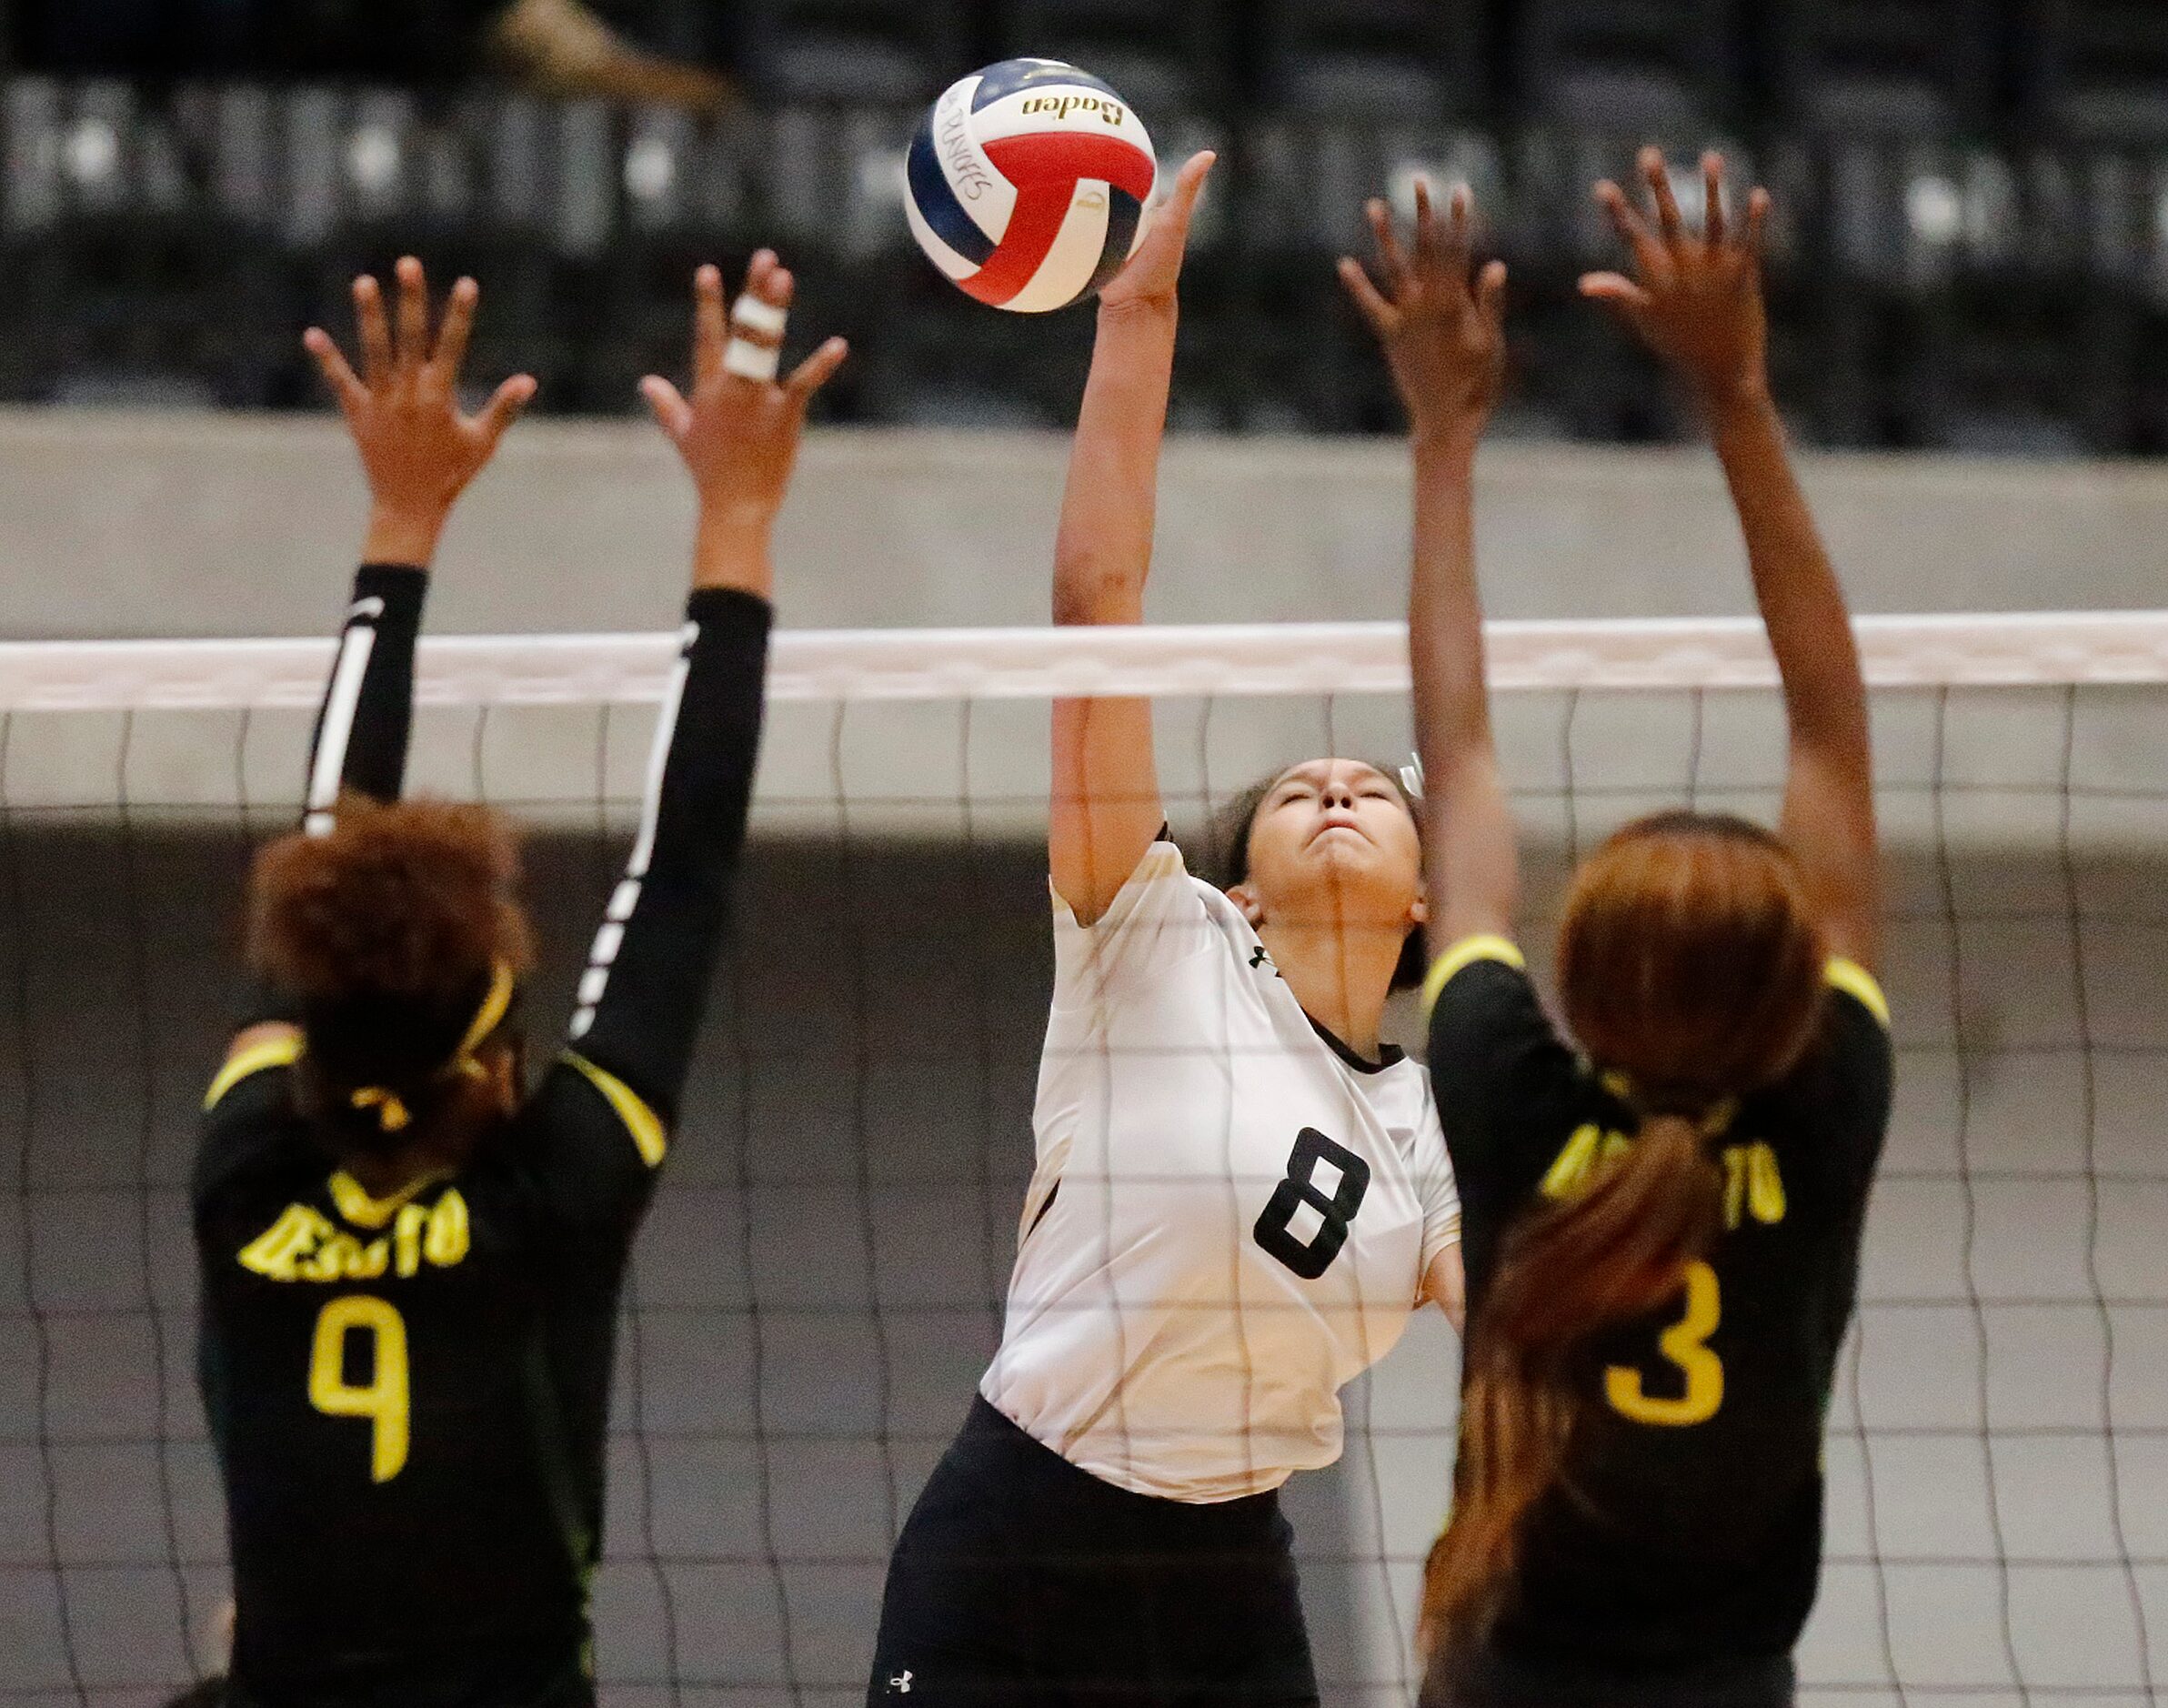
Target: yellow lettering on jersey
[
  {"x": 305, "y": 1245},
  {"x": 1753, "y": 1185},
  {"x": 1764, "y": 1185},
  {"x": 277, "y": 1252},
  {"x": 449, "y": 1234},
  {"x": 343, "y": 1257},
  {"x": 361, "y": 1210},
  {"x": 407, "y": 1240},
  {"x": 1686, "y": 1344},
  {"x": 1588, "y": 1146}
]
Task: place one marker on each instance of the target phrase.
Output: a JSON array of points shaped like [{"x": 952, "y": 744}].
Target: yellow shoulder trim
[
  {"x": 282, "y": 1051},
  {"x": 1858, "y": 984},
  {"x": 1467, "y": 951},
  {"x": 640, "y": 1121}
]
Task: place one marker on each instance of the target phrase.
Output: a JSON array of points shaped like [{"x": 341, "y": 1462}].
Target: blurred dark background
[{"x": 1971, "y": 251}]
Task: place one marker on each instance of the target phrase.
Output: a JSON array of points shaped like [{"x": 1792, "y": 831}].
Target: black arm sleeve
[
  {"x": 646, "y": 980},
  {"x": 361, "y": 735}
]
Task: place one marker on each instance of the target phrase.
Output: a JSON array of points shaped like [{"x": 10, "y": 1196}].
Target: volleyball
[{"x": 1027, "y": 182}]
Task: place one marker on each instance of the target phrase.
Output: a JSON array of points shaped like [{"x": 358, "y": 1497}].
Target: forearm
[
  {"x": 1471, "y": 859},
  {"x": 641, "y": 998},
  {"x": 1102, "y": 552},
  {"x": 1445, "y": 612},
  {"x": 1795, "y": 585},
  {"x": 367, "y": 714}
]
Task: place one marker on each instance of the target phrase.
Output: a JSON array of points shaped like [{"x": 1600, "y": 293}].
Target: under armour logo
[
  {"x": 900, "y": 1686},
  {"x": 1258, "y": 958}
]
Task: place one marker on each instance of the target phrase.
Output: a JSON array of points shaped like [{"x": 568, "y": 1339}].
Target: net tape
[{"x": 2019, "y": 649}]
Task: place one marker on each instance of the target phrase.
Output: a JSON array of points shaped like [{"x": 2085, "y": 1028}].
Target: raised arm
[
  {"x": 419, "y": 453},
  {"x": 1697, "y": 302},
  {"x": 1106, "y": 809},
  {"x": 647, "y": 980},
  {"x": 1443, "y": 331}
]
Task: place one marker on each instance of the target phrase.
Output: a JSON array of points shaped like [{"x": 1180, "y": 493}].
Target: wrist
[
  {"x": 402, "y": 534},
  {"x": 731, "y": 548},
  {"x": 1449, "y": 443},
  {"x": 1743, "y": 398}
]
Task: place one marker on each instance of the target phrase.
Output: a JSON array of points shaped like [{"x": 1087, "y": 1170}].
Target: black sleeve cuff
[
  {"x": 730, "y": 610},
  {"x": 398, "y": 585}
]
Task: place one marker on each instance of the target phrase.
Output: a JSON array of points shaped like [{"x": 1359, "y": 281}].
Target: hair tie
[
  {"x": 487, "y": 1018},
  {"x": 391, "y": 1109}
]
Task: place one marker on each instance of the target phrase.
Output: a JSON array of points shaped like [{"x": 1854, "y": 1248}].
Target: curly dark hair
[
  {"x": 386, "y": 932},
  {"x": 1233, "y": 822}
]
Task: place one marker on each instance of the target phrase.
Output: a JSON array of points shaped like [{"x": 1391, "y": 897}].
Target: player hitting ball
[
  {"x": 1663, "y": 1217},
  {"x": 410, "y": 1258},
  {"x": 1240, "y": 1195}
]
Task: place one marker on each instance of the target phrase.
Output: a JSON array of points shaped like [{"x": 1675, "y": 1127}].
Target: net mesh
[{"x": 818, "y": 1289}]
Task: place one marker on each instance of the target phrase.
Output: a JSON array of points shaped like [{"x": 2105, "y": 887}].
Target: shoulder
[
  {"x": 1482, "y": 1012},
  {"x": 1849, "y": 1074},
  {"x": 260, "y": 1050}
]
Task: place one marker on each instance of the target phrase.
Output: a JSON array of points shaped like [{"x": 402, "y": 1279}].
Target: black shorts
[
  {"x": 1021, "y": 1582},
  {"x": 1491, "y": 1678}
]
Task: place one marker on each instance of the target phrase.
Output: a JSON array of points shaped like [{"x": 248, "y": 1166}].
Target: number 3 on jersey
[
  {"x": 384, "y": 1399},
  {"x": 1686, "y": 1344},
  {"x": 1275, "y": 1228}
]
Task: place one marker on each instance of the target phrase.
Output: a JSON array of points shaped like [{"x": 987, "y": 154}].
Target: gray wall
[{"x": 187, "y": 524}]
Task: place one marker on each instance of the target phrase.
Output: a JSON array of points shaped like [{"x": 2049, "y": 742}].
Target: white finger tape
[
  {"x": 756, "y": 315},
  {"x": 748, "y": 360}
]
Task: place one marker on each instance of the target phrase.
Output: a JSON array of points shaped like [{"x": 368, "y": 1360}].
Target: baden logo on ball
[{"x": 1027, "y": 184}]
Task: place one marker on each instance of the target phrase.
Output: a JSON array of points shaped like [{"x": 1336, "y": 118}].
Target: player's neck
[{"x": 1341, "y": 976}]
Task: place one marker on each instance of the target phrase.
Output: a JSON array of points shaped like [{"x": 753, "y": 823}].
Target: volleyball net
[{"x": 818, "y": 1289}]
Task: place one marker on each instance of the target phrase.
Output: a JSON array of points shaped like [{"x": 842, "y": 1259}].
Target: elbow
[{"x": 1087, "y": 593}]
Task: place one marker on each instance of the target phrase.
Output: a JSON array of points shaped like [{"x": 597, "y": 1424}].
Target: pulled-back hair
[
  {"x": 1231, "y": 846},
  {"x": 388, "y": 931},
  {"x": 1690, "y": 968}
]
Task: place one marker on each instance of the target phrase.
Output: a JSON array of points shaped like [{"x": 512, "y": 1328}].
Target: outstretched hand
[
  {"x": 418, "y": 450},
  {"x": 1150, "y": 276},
  {"x": 739, "y": 437},
  {"x": 1695, "y": 300},
  {"x": 1442, "y": 325}
]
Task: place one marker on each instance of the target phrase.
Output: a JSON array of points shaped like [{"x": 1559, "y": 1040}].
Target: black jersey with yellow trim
[
  {"x": 409, "y": 1394},
  {"x": 1688, "y": 1527}
]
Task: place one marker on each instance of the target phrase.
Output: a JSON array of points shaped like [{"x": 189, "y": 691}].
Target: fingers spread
[
  {"x": 814, "y": 372},
  {"x": 709, "y": 324},
  {"x": 1392, "y": 260},
  {"x": 374, "y": 329},
  {"x": 451, "y": 340},
  {"x": 672, "y": 413},
  {"x": 1491, "y": 293},
  {"x": 414, "y": 317},
  {"x": 1428, "y": 239},
  {"x": 1648, "y": 254},
  {"x": 1615, "y": 289},
  {"x": 1658, "y": 176},
  {"x": 1712, "y": 197},
  {"x": 349, "y": 390},
  {"x": 502, "y": 408},
  {"x": 1373, "y": 307},
  {"x": 1460, "y": 224}
]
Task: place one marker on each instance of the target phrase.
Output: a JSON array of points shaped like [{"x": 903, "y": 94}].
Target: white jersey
[{"x": 1230, "y": 1217}]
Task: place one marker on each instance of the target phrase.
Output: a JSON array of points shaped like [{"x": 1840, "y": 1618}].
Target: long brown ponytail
[{"x": 1688, "y": 961}]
